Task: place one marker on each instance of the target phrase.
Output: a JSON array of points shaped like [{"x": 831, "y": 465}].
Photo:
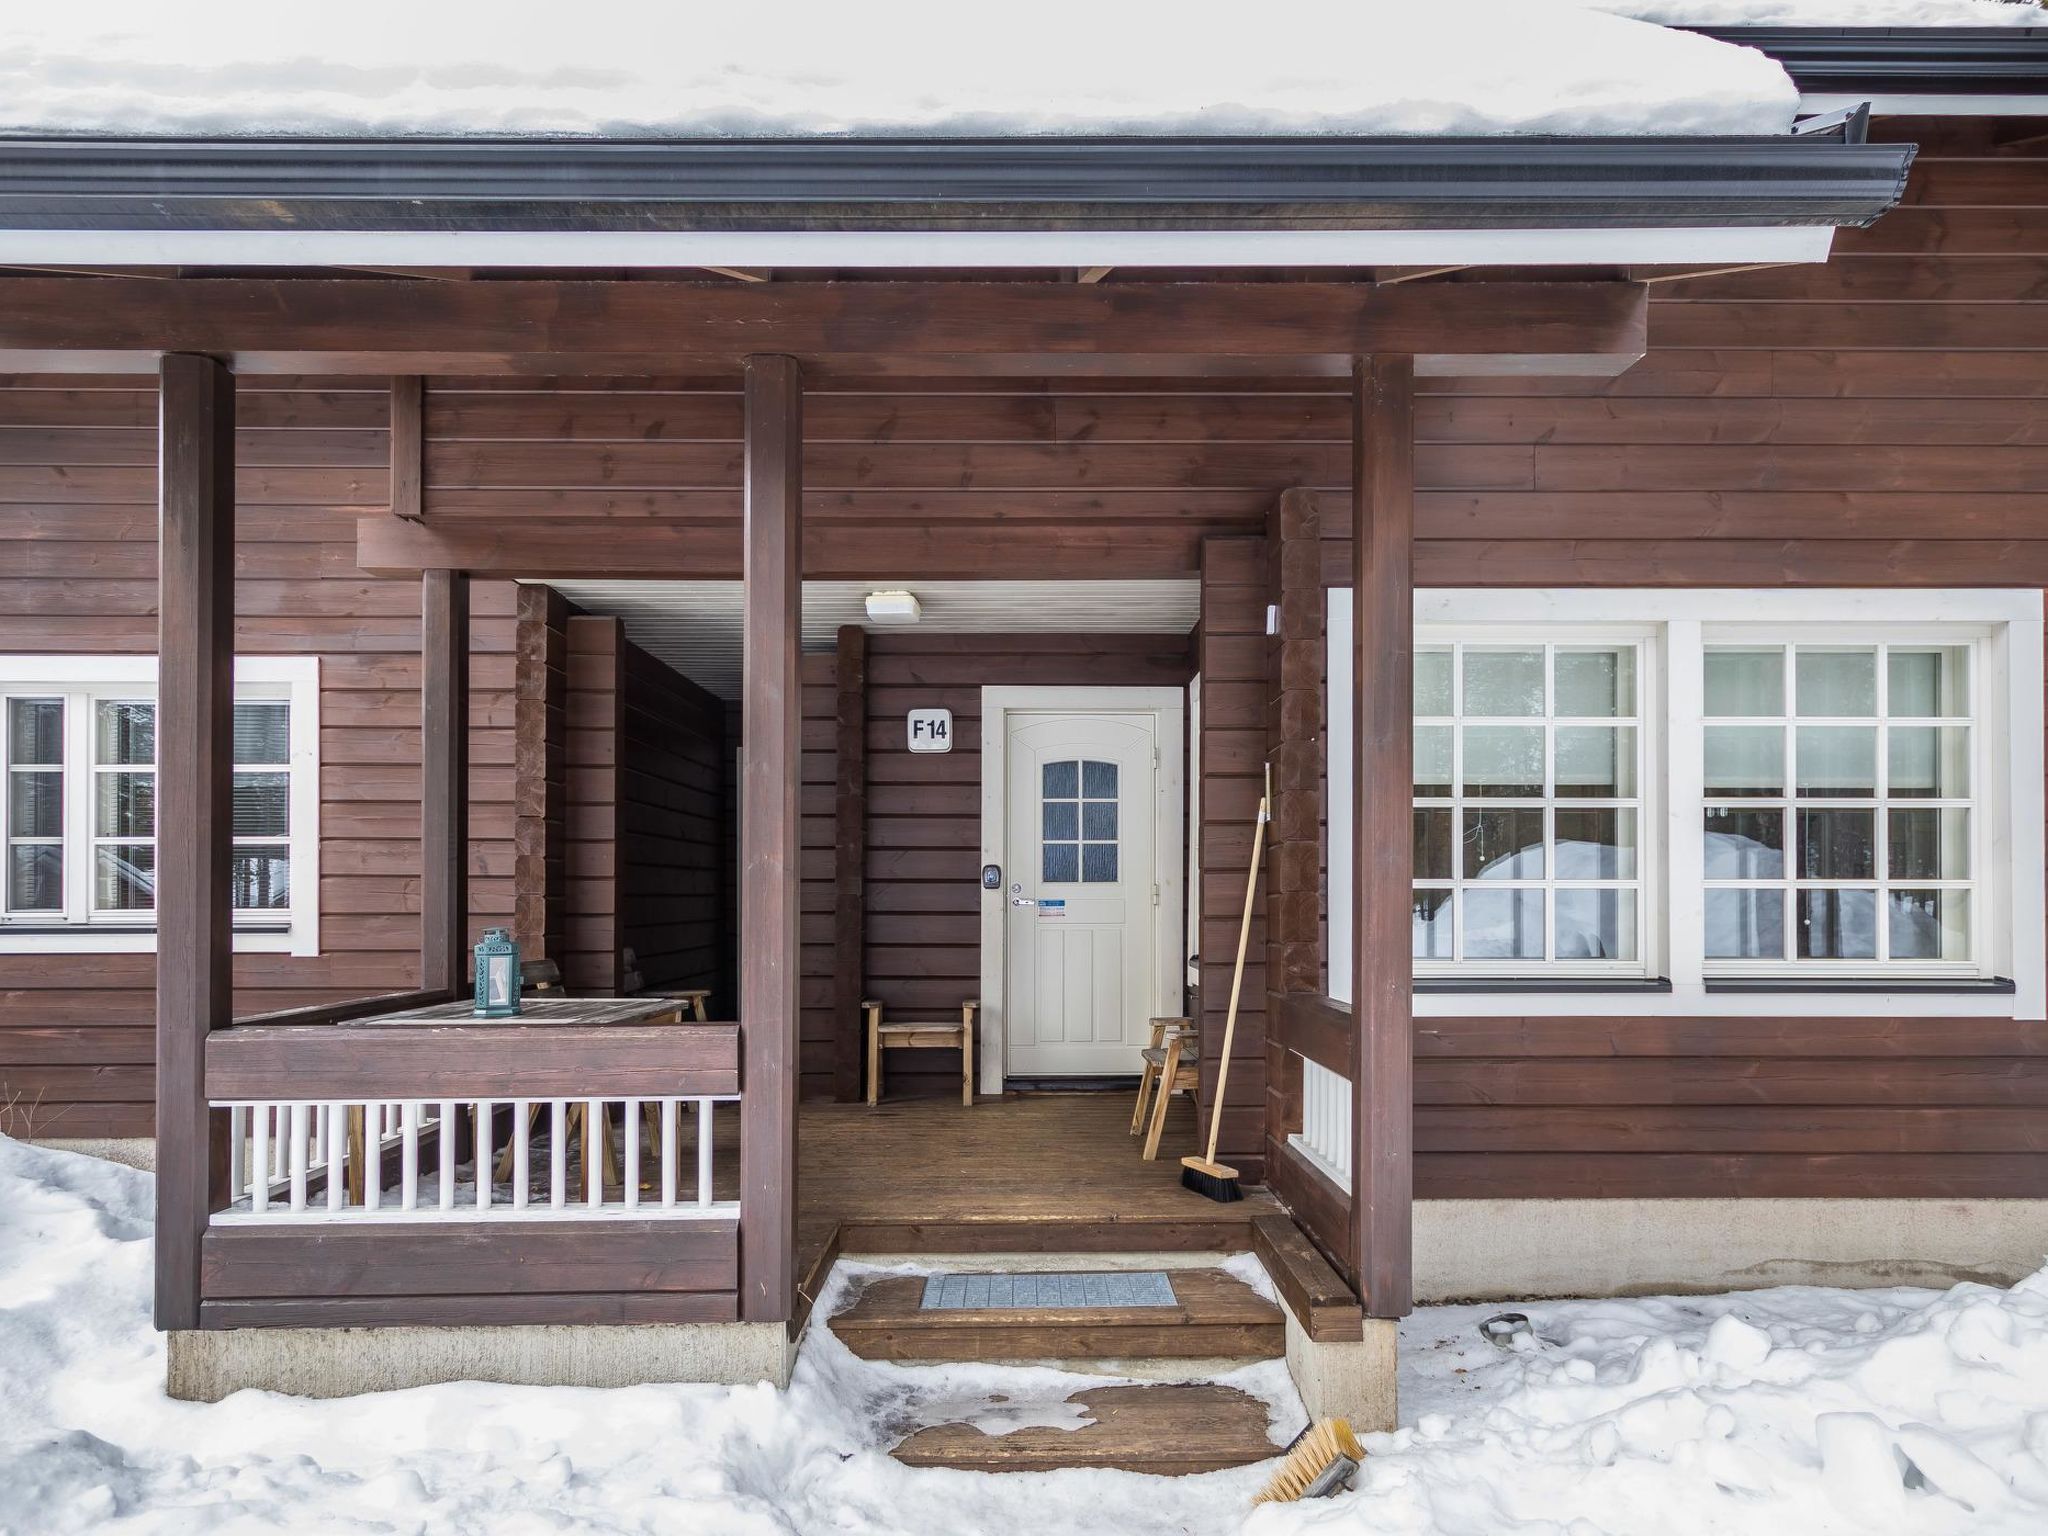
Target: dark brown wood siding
[{"x": 78, "y": 521}]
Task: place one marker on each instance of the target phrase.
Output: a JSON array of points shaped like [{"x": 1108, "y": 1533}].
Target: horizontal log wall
[{"x": 78, "y": 525}]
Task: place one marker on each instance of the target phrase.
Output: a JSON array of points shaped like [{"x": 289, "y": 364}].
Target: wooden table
[{"x": 557, "y": 1012}]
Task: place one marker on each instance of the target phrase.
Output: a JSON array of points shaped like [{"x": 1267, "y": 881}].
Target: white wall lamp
[{"x": 893, "y": 608}]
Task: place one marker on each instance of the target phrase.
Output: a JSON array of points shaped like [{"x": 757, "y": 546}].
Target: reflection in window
[
  {"x": 1838, "y": 816},
  {"x": 1528, "y": 761},
  {"x": 1078, "y": 823}
]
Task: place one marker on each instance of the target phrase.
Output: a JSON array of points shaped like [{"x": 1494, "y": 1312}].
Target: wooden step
[
  {"x": 1218, "y": 1316},
  {"x": 1169, "y": 1431}
]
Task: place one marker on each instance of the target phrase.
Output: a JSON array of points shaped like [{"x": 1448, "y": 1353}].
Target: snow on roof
[
  {"x": 1832, "y": 13},
  {"x": 621, "y": 69}
]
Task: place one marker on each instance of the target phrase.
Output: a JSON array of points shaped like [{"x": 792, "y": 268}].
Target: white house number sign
[{"x": 931, "y": 730}]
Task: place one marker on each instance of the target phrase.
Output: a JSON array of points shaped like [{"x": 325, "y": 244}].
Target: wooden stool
[
  {"x": 926, "y": 1036},
  {"x": 693, "y": 998},
  {"x": 1174, "y": 1064},
  {"x": 1152, "y": 1070}
]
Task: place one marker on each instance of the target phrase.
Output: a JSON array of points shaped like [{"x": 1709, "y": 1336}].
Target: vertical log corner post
[
  {"x": 849, "y": 857},
  {"x": 444, "y": 781},
  {"x": 771, "y": 726},
  {"x": 195, "y": 758},
  {"x": 1383, "y": 642}
]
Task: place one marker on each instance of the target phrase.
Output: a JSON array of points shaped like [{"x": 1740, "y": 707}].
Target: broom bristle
[
  {"x": 1315, "y": 1450},
  {"x": 1217, "y": 1181}
]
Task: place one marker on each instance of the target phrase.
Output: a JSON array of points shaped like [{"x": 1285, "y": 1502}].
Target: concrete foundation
[
  {"x": 135, "y": 1151},
  {"x": 1358, "y": 1381},
  {"x": 1475, "y": 1250},
  {"x": 206, "y": 1365}
]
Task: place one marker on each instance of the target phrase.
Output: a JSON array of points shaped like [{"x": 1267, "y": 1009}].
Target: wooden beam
[
  {"x": 444, "y": 788},
  {"x": 408, "y": 445},
  {"x": 347, "y": 325},
  {"x": 771, "y": 729},
  {"x": 1383, "y": 607},
  {"x": 849, "y": 909},
  {"x": 195, "y": 809}
]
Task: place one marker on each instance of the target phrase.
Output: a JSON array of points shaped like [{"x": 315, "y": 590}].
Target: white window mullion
[
  {"x": 1685, "y": 920},
  {"x": 78, "y": 807}
]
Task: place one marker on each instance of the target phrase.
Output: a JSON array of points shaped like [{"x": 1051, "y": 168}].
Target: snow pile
[
  {"x": 1832, "y": 13},
  {"x": 1792, "y": 1411},
  {"x": 629, "y": 68}
]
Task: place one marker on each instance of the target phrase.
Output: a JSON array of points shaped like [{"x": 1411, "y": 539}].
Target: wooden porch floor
[{"x": 1046, "y": 1173}]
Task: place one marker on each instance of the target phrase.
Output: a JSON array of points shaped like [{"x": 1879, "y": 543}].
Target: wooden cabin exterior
[{"x": 409, "y": 502}]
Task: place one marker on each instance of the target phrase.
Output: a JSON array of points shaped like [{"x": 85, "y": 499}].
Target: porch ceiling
[{"x": 694, "y": 626}]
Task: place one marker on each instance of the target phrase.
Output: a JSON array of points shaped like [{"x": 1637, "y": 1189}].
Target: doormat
[{"x": 1061, "y": 1291}]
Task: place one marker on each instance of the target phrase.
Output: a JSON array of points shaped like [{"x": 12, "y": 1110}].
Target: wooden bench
[
  {"x": 921, "y": 1035},
  {"x": 1172, "y": 1063}
]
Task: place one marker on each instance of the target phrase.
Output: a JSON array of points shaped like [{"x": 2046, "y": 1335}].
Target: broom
[{"x": 1204, "y": 1175}]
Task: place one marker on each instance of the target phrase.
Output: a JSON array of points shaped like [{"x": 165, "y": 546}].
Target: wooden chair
[
  {"x": 1172, "y": 1065},
  {"x": 926, "y": 1035}
]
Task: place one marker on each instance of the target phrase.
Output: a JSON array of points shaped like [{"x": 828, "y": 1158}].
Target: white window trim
[
  {"x": 294, "y": 677},
  {"x": 2010, "y": 628}
]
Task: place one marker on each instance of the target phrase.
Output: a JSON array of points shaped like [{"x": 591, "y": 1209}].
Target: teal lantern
[{"x": 497, "y": 976}]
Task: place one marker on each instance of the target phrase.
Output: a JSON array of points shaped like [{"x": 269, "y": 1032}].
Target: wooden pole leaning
[{"x": 1204, "y": 1174}]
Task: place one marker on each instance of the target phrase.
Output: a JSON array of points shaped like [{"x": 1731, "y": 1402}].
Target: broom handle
[{"x": 1244, "y": 938}]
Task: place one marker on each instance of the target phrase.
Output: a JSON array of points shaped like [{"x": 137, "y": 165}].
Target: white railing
[
  {"x": 1325, "y": 1134},
  {"x": 529, "y": 1159}
]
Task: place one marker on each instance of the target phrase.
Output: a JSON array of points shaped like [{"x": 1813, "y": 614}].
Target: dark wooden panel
[
  {"x": 471, "y": 1061},
  {"x": 521, "y": 1310},
  {"x": 1846, "y": 1035},
  {"x": 483, "y": 1258},
  {"x": 1680, "y": 1176}
]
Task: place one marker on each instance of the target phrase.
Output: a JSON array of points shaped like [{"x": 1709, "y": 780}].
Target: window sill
[
  {"x": 1538, "y": 985},
  {"x": 1997, "y": 986},
  {"x": 53, "y": 930},
  {"x": 300, "y": 938}
]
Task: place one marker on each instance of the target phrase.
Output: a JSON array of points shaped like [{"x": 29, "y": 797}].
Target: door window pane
[
  {"x": 1745, "y": 682},
  {"x": 1061, "y": 819},
  {"x": 1836, "y": 682},
  {"x": 1098, "y": 863},
  {"x": 1837, "y": 925},
  {"x": 1098, "y": 780},
  {"x": 1746, "y": 924},
  {"x": 1061, "y": 863},
  {"x": 1503, "y": 682},
  {"x": 1098, "y": 820},
  {"x": 1503, "y": 924},
  {"x": 1062, "y": 781}
]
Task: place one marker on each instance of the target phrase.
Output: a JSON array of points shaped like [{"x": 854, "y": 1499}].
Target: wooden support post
[
  {"x": 444, "y": 788},
  {"x": 849, "y": 907},
  {"x": 769, "y": 847},
  {"x": 195, "y": 808},
  {"x": 1383, "y": 608},
  {"x": 408, "y": 446}
]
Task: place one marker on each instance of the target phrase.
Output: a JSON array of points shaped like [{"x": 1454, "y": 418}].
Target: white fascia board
[
  {"x": 2031, "y": 105},
  {"x": 899, "y": 248}
]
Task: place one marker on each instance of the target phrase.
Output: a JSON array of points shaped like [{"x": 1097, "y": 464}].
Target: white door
[{"x": 1080, "y": 895}]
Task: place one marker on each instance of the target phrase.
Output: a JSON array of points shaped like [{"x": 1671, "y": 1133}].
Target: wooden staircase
[{"x": 1169, "y": 1428}]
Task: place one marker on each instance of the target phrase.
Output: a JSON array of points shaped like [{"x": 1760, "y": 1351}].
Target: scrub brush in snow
[{"x": 1320, "y": 1461}]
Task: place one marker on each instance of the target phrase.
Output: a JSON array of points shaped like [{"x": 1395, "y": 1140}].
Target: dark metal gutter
[
  {"x": 1903, "y": 61},
  {"x": 90, "y": 184}
]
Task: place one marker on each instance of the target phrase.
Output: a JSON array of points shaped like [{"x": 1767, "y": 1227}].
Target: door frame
[{"x": 1168, "y": 708}]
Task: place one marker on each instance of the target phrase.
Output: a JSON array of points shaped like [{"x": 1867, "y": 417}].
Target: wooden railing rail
[
  {"x": 353, "y": 1008},
  {"x": 1312, "y": 1027}
]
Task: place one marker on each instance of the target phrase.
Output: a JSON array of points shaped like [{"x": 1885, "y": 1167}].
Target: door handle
[{"x": 1023, "y": 901}]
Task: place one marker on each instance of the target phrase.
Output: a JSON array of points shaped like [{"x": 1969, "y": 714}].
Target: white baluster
[
  {"x": 238, "y": 1161},
  {"x": 317, "y": 1157},
  {"x": 483, "y": 1155},
  {"x": 669, "y": 1153},
  {"x": 337, "y": 1155},
  {"x": 522, "y": 1151},
  {"x": 632, "y": 1160},
  {"x": 301, "y": 1145},
  {"x": 593, "y": 1152},
  {"x": 409, "y": 1156},
  {"x": 558, "y": 1157},
  {"x": 375, "y": 1118},
  {"x": 704, "y": 1151},
  {"x": 259, "y": 1159},
  {"x": 450, "y": 1112}
]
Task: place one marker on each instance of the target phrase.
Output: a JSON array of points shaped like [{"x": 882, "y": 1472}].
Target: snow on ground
[
  {"x": 1832, "y": 13},
  {"x": 1795, "y": 1412},
  {"x": 916, "y": 67}
]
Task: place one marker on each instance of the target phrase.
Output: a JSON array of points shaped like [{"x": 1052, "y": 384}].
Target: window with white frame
[
  {"x": 1711, "y": 792},
  {"x": 1840, "y": 811},
  {"x": 78, "y": 746},
  {"x": 1528, "y": 849}
]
